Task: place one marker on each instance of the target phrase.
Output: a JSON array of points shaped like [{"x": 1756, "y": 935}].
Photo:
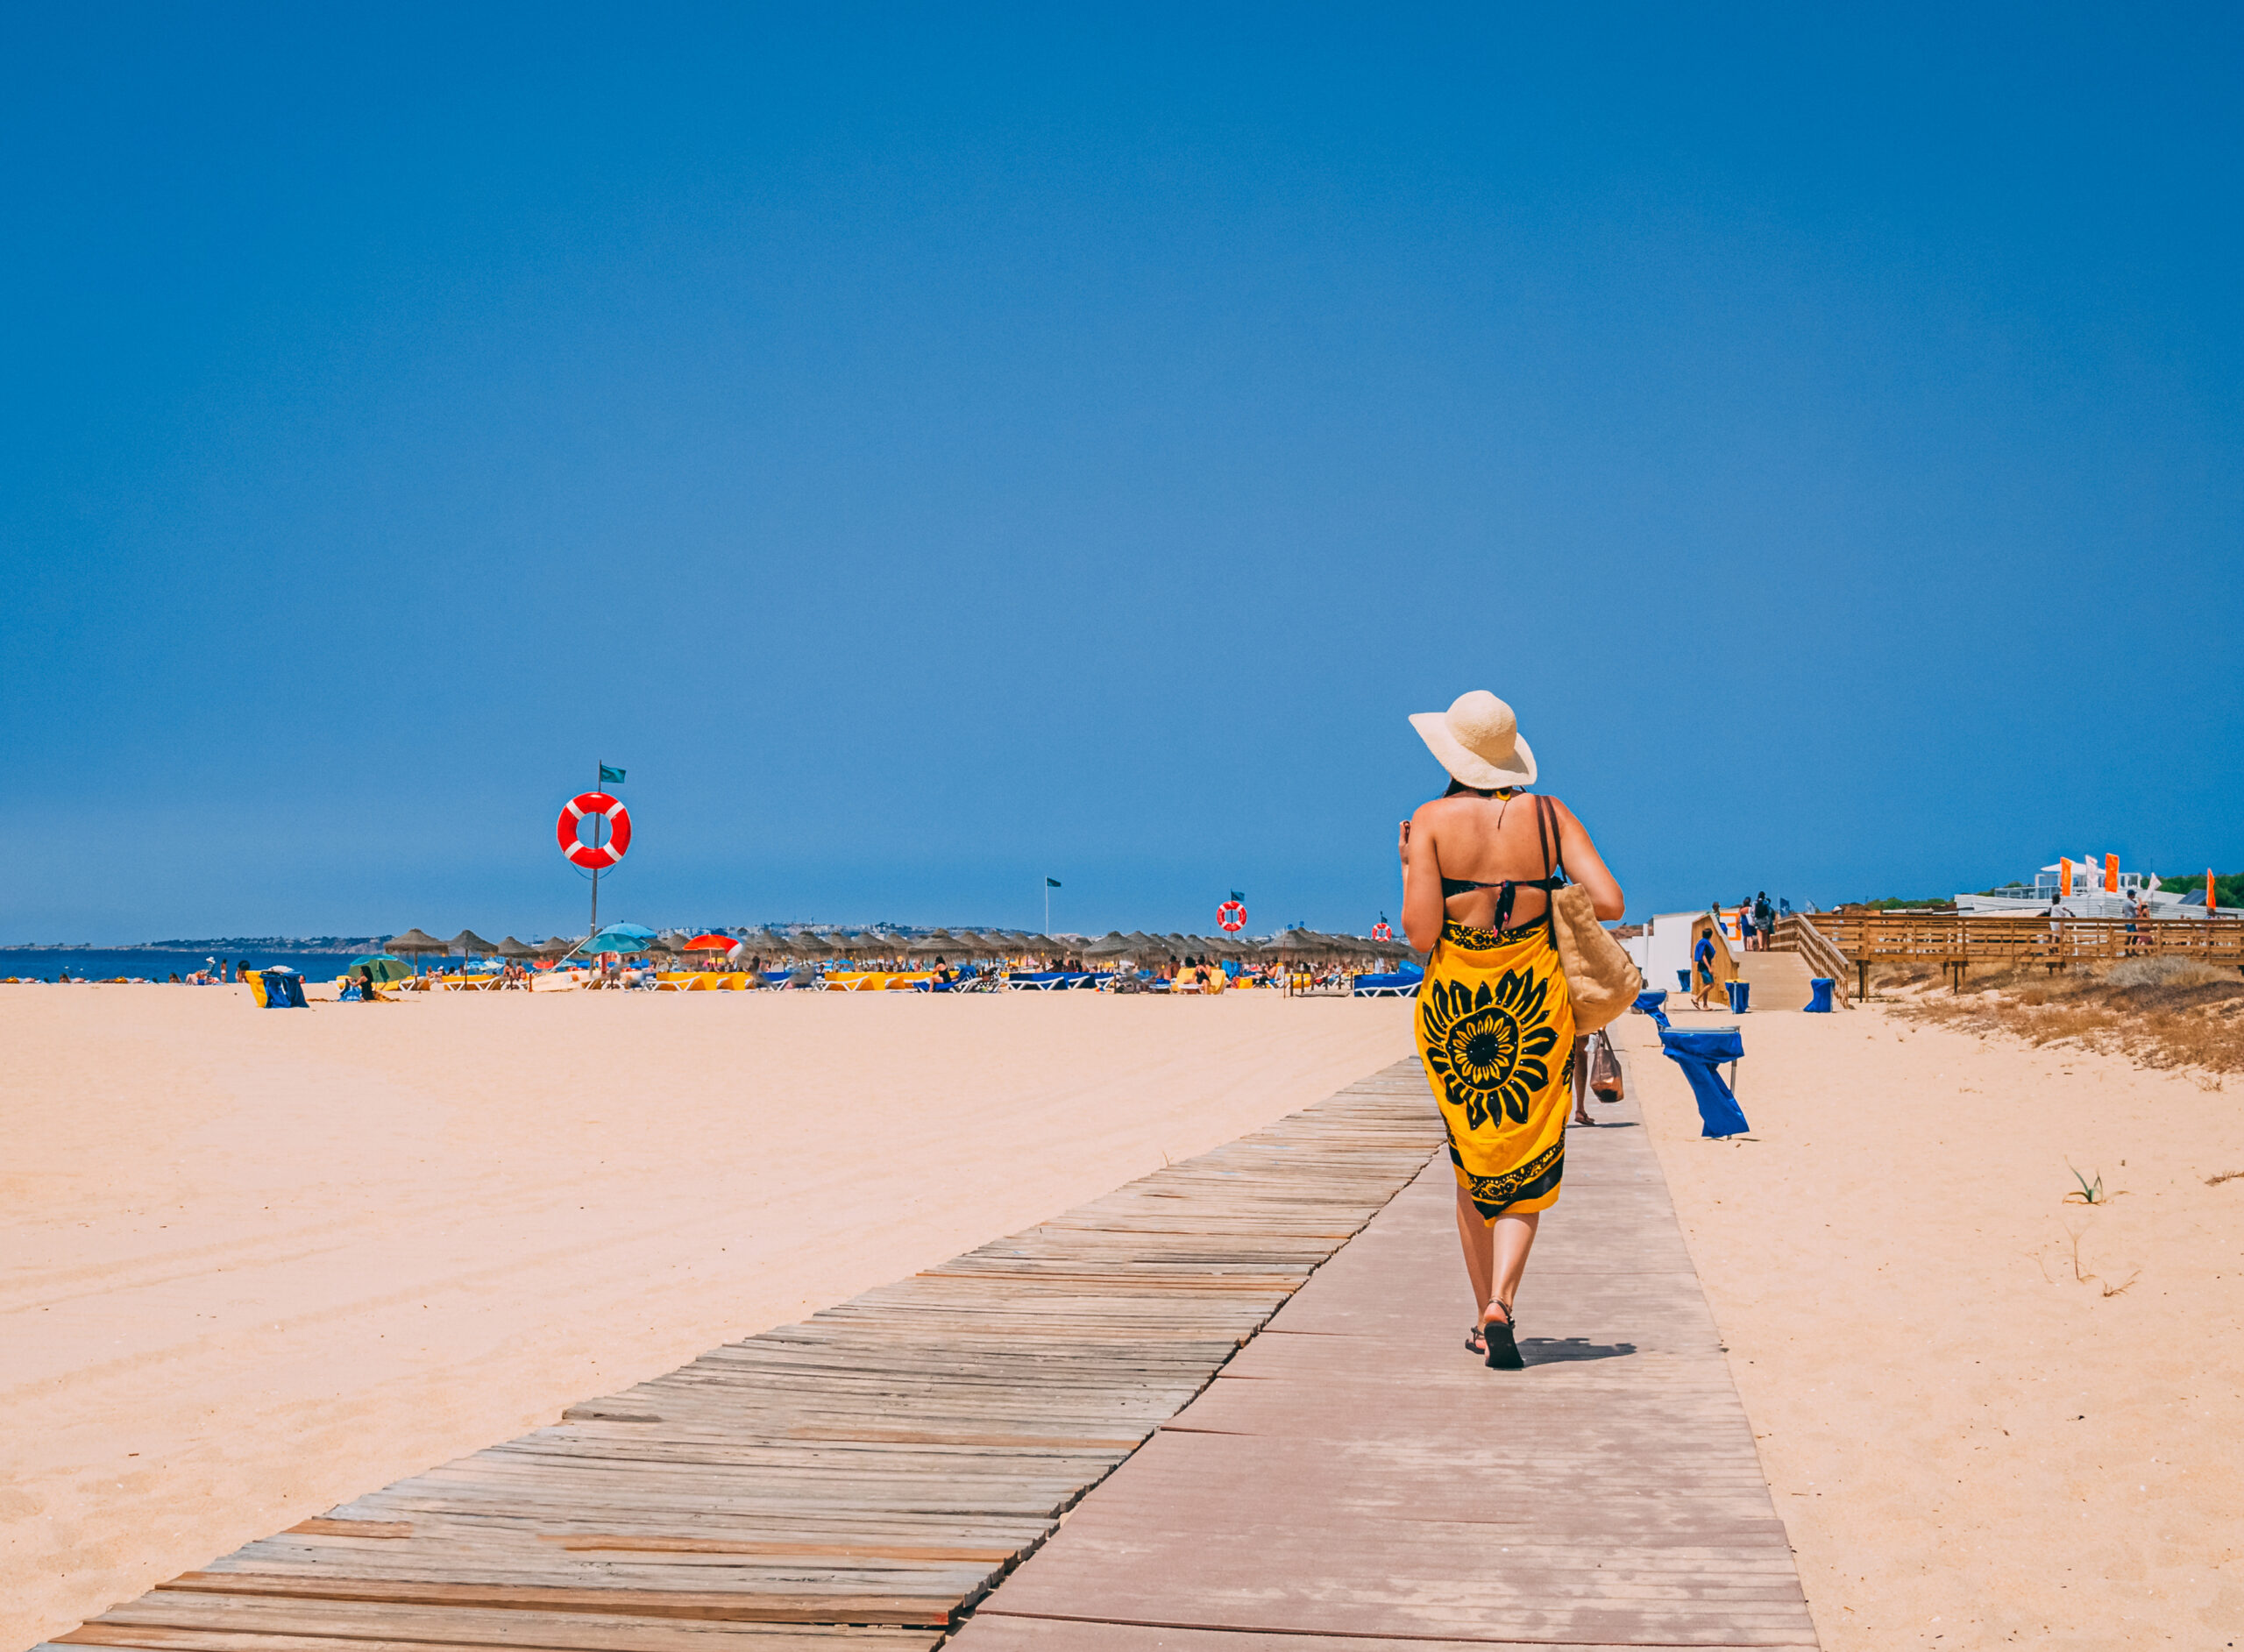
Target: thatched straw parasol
[
  {"x": 414, "y": 941},
  {"x": 468, "y": 944},
  {"x": 511, "y": 948}
]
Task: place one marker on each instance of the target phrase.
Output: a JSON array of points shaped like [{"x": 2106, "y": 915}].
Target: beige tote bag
[{"x": 1601, "y": 979}]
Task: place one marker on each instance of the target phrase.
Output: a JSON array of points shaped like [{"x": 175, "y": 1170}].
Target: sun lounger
[{"x": 1398, "y": 985}]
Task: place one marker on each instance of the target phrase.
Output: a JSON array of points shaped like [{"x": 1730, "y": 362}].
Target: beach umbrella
[
  {"x": 1113, "y": 944},
  {"x": 621, "y": 938},
  {"x": 559, "y": 946},
  {"x": 511, "y": 948},
  {"x": 384, "y": 968},
  {"x": 939, "y": 943},
  {"x": 1148, "y": 946},
  {"x": 414, "y": 941},
  {"x": 711, "y": 943},
  {"x": 1297, "y": 943},
  {"x": 468, "y": 944}
]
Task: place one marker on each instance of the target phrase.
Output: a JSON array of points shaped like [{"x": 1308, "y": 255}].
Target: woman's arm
[
  {"x": 1422, "y": 907},
  {"x": 1586, "y": 866}
]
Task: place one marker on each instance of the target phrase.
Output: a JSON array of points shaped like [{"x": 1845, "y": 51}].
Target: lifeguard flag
[
  {"x": 607, "y": 774},
  {"x": 2209, "y": 889},
  {"x": 1051, "y": 882},
  {"x": 2111, "y": 875},
  {"x": 1240, "y": 898},
  {"x": 2065, "y": 876}
]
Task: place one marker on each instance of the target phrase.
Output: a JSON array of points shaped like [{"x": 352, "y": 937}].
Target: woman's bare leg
[
  {"x": 1580, "y": 1070},
  {"x": 1512, "y": 1238},
  {"x": 1479, "y": 1251},
  {"x": 1495, "y": 1253}
]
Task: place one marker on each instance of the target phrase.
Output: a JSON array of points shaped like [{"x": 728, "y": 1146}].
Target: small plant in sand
[
  {"x": 2225, "y": 1175},
  {"x": 2091, "y": 1192}
]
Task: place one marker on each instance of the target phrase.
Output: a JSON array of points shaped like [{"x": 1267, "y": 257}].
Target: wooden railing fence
[
  {"x": 1796, "y": 933},
  {"x": 1955, "y": 940}
]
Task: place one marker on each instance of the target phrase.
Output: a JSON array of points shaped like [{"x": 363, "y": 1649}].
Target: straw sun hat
[{"x": 1477, "y": 739}]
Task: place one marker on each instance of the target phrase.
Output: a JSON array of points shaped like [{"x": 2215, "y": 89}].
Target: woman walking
[{"x": 1495, "y": 1026}]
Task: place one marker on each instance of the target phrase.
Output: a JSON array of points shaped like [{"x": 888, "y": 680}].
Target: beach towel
[{"x": 1496, "y": 1034}]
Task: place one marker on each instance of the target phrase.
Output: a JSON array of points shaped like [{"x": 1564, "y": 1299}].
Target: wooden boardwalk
[
  {"x": 863, "y": 1477},
  {"x": 1356, "y": 1481}
]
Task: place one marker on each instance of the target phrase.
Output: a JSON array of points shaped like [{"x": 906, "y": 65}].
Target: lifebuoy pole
[{"x": 594, "y": 930}]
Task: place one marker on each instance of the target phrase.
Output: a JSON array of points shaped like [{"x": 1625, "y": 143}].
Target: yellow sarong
[{"x": 1497, "y": 1032}]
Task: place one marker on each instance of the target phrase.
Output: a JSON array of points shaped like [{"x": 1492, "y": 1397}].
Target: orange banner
[
  {"x": 2065, "y": 876},
  {"x": 2111, "y": 875}
]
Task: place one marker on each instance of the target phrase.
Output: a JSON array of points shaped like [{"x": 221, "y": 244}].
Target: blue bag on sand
[
  {"x": 1701, "y": 1055},
  {"x": 1819, "y": 1000}
]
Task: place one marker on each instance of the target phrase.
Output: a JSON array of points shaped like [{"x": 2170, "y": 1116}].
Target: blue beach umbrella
[{"x": 621, "y": 938}]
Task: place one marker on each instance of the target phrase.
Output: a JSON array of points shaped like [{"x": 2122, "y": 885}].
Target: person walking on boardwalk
[{"x": 1496, "y": 1025}]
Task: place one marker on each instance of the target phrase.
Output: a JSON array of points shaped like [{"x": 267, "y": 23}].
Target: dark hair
[{"x": 1457, "y": 787}]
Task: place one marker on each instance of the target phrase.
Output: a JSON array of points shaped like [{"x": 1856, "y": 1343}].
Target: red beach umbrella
[{"x": 711, "y": 943}]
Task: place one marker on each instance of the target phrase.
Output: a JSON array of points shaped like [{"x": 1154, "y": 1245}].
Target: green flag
[
  {"x": 1051, "y": 882},
  {"x": 607, "y": 774}
]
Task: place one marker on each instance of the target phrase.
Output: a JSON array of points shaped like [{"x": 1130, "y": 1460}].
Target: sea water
[{"x": 52, "y": 963}]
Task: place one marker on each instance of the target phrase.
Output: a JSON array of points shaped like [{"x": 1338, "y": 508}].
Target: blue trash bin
[
  {"x": 1701, "y": 1055},
  {"x": 1682, "y": 980},
  {"x": 1740, "y": 992},
  {"x": 1819, "y": 1001}
]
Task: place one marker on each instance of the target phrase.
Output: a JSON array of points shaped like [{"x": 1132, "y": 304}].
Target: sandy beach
[
  {"x": 1971, "y": 1443},
  {"x": 260, "y": 1262}
]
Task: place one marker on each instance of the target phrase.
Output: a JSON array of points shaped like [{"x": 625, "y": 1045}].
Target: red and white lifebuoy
[
  {"x": 1231, "y": 917},
  {"x": 619, "y": 826},
  {"x": 1381, "y": 932}
]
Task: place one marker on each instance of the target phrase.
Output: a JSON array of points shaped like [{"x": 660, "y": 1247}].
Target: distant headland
[{"x": 340, "y": 944}]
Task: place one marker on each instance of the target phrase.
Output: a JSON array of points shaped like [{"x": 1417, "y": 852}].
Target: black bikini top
[{"x": 1555, "y": 879}]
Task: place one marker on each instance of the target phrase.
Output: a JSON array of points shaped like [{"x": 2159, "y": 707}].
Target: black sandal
[
  {"x": 1503, "y": 1344},
  {"x": 1474, "y": 1343}
]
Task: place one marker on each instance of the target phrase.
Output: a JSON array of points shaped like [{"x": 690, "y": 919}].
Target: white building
[
  {"x": 2091, "y": 887},
  {"x": 1664, "y": 948}
]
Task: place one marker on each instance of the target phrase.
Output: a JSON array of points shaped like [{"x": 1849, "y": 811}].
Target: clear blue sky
[{"x": 932, "y": 450}]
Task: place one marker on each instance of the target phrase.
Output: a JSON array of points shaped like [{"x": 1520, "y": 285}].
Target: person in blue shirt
[{"x": 1702, "y": 970}]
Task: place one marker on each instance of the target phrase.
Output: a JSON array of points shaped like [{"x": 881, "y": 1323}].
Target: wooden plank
[
  {"x": 862, "y": 1475},
  {"x": 1356, "y": 1478}
]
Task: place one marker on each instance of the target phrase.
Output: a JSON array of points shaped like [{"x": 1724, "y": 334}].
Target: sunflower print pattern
[{"x": 1497, "y": 1032}]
